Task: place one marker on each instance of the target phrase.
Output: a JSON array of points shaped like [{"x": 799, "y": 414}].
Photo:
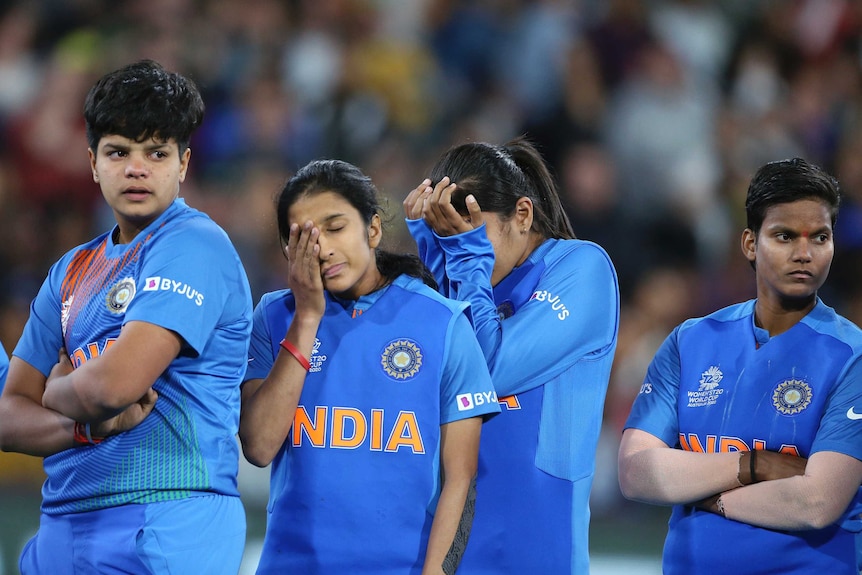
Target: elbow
[
  {"x": 635, "y": 484},
  {"x": 628, "y": 487},
  {"x": 255, "y": 453},
  {"x": 627, "y": 478},
  {"x": 256, "y": 459},
  {"x": 819, "y": 514}
]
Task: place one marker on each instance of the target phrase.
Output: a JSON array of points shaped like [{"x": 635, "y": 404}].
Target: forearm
[
  {"x": 429, "y": 251},
  {"x": 80, "y": 400},
  {"x": 27, "y": 427},
  {"x": 450, "y": 509},
  {"x": 269, "y": 405},
  {"x": 664, "y": 476},
  {"x": 810, "y": 501}
]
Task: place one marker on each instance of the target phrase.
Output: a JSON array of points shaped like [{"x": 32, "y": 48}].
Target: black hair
[
  {"x": 498, "y": 176},
  {"x": 141, "y": 101},
  {"x": 785, "y": 181},
  {"x": 350, "y": 183}
]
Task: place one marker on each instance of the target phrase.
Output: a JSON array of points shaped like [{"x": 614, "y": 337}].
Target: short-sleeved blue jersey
[
  {"x": 548, "y": 331},
  {"x": 355, "y": 486},
  {"x": 720, "y": 384},
  {"x": 181, "y": 273},
  {"x": 4, "y": 366}
]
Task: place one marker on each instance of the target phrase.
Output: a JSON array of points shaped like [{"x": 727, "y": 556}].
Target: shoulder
[
  {"x": 194, "y": 225},
  {"x": 275, "y": 298},
  {"x": 556, "y": 252},
  {"x": 418, "y": 288},
  {"x": 726, "y": 315},
  {"x": 81, "y": 251},
  {"x": 825, "y": 320}
]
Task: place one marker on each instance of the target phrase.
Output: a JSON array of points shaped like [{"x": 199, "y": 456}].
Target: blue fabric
[
  {"x": 548, "y": 331},
  {"x": 720, "y": 384},
  {"x": 181, "y": 273},
  {"x": 196, "y": 535},
  {"x": 355, "y": 486},
  {"x": 4, "y": 366}
]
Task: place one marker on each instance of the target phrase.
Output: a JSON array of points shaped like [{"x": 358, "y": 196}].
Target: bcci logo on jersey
[
  {"x": 708, "y": 390},
  {"x": 120, "y": 295},
  {"x": 401, "y": 359},
  {"x": 791, "y": 396}
]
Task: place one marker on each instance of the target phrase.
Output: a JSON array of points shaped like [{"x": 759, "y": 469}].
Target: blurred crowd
[{"x": 653, "y": 115}]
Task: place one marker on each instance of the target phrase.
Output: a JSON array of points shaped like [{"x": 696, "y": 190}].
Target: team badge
[
  {"x": 401, "y": 359},
  {"x": 120, "y": 295},
  {"x": 791, "y": 396}
]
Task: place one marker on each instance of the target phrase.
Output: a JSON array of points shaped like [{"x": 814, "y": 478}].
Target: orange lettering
[
  {"x": 405, "y": 433},
  {"x": 376, "y": 430},
  {"x": 315, "y": 430},
  {"x": 732, "y": 444},
  {"x": 340, "y": 417},
  {"x": 510, "y": 402}
]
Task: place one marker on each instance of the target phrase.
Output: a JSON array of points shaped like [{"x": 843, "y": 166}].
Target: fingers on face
[{"x": 302, "y": 241}]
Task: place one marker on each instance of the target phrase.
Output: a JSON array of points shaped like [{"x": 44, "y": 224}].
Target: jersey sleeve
[
  {"x": 573, "y": 312},
  {"x": 841, "y": 426},
  {"x": 429, "y": 252},
  {"x": 655, "y": 407},
  {"x": 4, "y": 366},
  {"x": 42, "y": 338},
  {"x": 260, "y": 355},
  {"x": 185, "y": 281},
  {"x": 466, "y": 389}
]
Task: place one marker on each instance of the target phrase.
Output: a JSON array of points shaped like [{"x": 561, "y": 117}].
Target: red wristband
[
  {"x": 82, "y": 435},
  {"x": 303, "y": 361}
]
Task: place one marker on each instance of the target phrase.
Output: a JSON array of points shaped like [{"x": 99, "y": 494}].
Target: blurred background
[{"x": 652, "y": 114}]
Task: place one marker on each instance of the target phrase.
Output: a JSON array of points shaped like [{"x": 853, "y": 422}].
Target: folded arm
[{"x": 118, "y": 378}]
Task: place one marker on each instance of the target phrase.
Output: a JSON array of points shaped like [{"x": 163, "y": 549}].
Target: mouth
[
  {"x": 136, "y": 193},
  {"x": 332, "y": 271},
  {"x": 801, "y": 275}
]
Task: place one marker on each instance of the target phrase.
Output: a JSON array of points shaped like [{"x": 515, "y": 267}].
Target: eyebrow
[
  {"x": 147, "y": 147},
  {"x": 784, "y": 229},
  {"x": 331, "y": 217}
]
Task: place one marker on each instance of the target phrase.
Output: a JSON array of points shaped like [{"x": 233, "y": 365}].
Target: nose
[
  {"x": 325, "y": 250},
  {"x": 136, "y": 167},
  {"x": 802, "y": 250}
]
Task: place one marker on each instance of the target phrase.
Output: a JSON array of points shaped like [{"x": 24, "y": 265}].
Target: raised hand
[
  {"x": 415, "y": 199},
  {"x": 303, "y": 273},
  {"x": 441, "y": 215}
]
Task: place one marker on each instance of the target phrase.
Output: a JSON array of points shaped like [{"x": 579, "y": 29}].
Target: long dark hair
[
  {"x": 350, "y": 183},
  {"x": 498, "y": 176}
]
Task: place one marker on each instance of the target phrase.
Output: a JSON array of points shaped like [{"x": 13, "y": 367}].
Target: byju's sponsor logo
[
  {"x": 156, "y": 283},
  {"x": 556, "y": 303},
  {"x": 468, "y": 401}
]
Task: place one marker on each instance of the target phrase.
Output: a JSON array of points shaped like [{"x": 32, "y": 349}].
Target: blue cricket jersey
[
  {"x": 181, "y": 273},
  {"x": 548, "y": 331},
  {"x": 355, "y": 486},
  {"x": 720, "y": 384},
  {"x": 4, "y": 366}
]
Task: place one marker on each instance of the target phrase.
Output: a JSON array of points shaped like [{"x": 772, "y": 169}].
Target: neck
[{"x": 776, "y": 319}]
